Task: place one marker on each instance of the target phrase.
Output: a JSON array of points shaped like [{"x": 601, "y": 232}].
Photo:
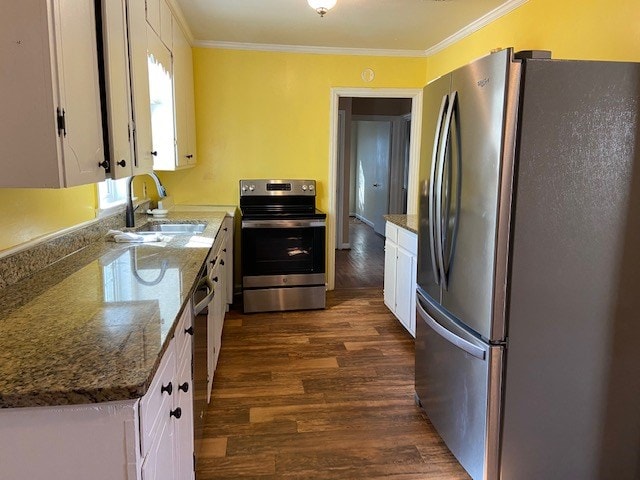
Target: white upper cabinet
[
  {"x": 184, "y": 98},
  {"x": 160, "y": 19},
  {"x": 139, "y": 74},
  {"x": 51, "y": 129},
  {"x": 118, "y": 89},
  {"x": 170, "y": 66},
  {"x": 161, "y": 101}
]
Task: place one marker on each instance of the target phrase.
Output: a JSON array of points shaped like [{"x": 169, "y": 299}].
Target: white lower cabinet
[
  {"x": 220, "y": 272},
  {"x": 400, "y": 271},
  {"x": 150, "y": 438},
  {"x": 166, "y": 411},
  {"x": 160, "y": 462}
]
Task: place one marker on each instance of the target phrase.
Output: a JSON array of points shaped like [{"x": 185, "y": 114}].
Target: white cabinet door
[
  {"x": 400, "y": 269},
  {"x": 184, "y": 424},
  {"x": 184, "y": 95},
  {"x": 227, "y": 228},
  {"x": 139, "y": 72},
  {"x": 160, "y": 65},
  {"x": 160, "y": 463},
  {"x": 51, "y": 129},
  {"x": 157, "y": 403},
  {"x": 405, "y": 297},
  {"x": 152, "y": 14},
  {"x": 166, "y": 25},
  {"x": 79, "y": 92},
  {"x": 119, "y": 112},
  {"x": 218, "y": 306},
  {"x": 390, "y": 263}
]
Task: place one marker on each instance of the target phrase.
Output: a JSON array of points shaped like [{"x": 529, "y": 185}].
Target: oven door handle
[{"x": 282, "y": 223}]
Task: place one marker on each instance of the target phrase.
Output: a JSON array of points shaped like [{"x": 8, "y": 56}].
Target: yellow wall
[
  {"x": 30, "y": 213},
  {"x": 266, "y": 115},
  {"x": 578, "y": 29}
]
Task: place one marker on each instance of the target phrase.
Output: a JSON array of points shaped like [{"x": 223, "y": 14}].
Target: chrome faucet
[{"x": 129, "y": 218}]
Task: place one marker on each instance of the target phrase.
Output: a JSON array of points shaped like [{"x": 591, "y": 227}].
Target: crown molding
[
  {"x": 181, "y": 19},
  {"x": 476, "y": 25},
  {"x": 265, "y": 47}
]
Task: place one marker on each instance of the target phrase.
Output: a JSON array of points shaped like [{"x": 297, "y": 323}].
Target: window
[{"x": 112, "y": 193}]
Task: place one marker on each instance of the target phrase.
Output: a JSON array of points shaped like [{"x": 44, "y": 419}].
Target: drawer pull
[
  {"x": 168, "y": 388},
  {"x": 176, "y": 413},
  {"x": 189, "y": 330},
  {"x": 184, "y": 387}
]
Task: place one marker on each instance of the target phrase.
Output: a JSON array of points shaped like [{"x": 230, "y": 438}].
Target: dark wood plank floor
[
  {"x": 362, "y": 266},
  {"x": 324, "y": 394}
]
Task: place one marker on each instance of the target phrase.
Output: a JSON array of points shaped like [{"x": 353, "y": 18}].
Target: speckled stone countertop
[
  {"x": 93, "y": 326},
  {"x": 408, "y": 222}
]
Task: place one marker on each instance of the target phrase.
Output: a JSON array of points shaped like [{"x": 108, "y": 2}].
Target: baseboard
[{"x": 364, "y": 220}]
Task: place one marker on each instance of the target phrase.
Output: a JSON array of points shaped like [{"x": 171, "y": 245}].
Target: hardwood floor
[
  {"x": 324, "y": 394},
  {"x": 362, "y": 266}
]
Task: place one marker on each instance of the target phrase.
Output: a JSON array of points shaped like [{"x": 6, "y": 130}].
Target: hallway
[
  {"x": 362, "y": 266},
  {"x": 323, "y": 394}
]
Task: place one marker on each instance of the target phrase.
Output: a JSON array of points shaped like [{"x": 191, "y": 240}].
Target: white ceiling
[{"x": 401, "y": 27}]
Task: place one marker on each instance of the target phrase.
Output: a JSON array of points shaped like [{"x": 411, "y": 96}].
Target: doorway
[{"x": 374, "y": 151}]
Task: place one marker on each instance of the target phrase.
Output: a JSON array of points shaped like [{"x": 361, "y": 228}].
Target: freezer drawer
[{"x": 458, "y": 386}]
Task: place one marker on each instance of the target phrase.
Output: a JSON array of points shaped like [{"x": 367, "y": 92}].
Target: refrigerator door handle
[
  {"x": 454, "y": 196},
  {"x": 442, "y": 150},
  {"x": 432, "y": 204},
  {"x": 449, "y": 336}
]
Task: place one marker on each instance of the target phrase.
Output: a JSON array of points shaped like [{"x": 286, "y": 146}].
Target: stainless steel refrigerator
[{"x": 528, "y": 305}]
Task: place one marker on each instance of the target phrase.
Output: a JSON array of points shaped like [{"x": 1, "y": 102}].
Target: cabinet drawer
[
  {"x": 408, "y": 240},
  {"x": 391, "y": 232},
  {"x": 157, "y": 402}
]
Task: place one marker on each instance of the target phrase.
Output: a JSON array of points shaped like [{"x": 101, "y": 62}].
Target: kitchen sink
[{"x": 173, "y": 228}]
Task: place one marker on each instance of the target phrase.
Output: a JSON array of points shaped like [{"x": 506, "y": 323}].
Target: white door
[{"x": 373, "y": 154}]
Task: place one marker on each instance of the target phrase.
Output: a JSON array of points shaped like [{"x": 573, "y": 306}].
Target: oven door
[{"x": 283, "y": 247}]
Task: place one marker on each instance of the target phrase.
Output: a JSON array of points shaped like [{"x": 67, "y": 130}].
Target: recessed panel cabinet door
[
  {"x": 116, "y": 59},
  {"x": 79, "y": 92},
  {"x": 184, "y": 97},
  {"x": 49, "y": 70},
  {"x": 139, "y": 71}
]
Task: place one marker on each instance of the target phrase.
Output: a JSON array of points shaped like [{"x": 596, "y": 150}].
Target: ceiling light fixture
[{"x": 322, "y": 6}]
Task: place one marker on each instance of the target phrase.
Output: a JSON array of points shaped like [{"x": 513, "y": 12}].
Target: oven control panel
[{"x": 277, "y": 187}]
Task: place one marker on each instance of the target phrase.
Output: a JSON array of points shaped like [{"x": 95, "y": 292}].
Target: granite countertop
[
  {"x": 408, "y": 222},
  {"x": 92, "y": 327}
]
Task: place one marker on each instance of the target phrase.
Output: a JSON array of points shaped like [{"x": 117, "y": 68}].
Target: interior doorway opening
[{"x": 374, "y": 160}]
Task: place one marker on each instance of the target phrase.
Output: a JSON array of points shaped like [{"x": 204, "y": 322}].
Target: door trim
[{"x": 415, "y": 94}]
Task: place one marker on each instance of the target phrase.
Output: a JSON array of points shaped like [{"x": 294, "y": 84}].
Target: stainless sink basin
[{"x": 174, "y": 228}]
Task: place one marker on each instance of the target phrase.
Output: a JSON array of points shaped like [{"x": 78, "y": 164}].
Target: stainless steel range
[{"x": 283, "y": 246}]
